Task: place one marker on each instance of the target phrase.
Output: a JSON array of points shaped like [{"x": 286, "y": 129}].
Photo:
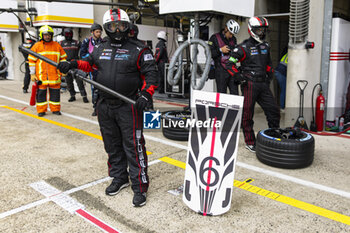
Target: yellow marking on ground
[
  {"x": 277, "y": 197},
  {"x": 59, "y": 124},
  {"x": 174, "y": 162}
]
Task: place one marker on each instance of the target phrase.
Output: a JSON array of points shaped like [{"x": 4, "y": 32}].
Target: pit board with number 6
[{"x": 212, "y": 152}]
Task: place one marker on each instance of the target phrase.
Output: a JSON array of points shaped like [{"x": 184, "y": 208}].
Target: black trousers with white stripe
[{"x": 121, "y": 128}]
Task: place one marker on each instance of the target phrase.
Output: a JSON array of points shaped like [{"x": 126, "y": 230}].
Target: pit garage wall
[
  {"x": 16, "y": 40},
  {"x": 305, "y": 65}
]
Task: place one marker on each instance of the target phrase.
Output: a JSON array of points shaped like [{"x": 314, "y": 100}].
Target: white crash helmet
[
  {"x": 232, "y": 26},
  {"x": 115, "y": 19},
  {"x": 257, "y": 28},
  {"x": 162, "y": 35}
]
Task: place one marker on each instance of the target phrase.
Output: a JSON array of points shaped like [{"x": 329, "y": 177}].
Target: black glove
[
  {"x": 240, "y": 78},
  {"x": 65, "y": 66},
  {"x": 269, "y": 78},
  {"x": 79, "y": 73},
  {"x": 143, "y": 101}
]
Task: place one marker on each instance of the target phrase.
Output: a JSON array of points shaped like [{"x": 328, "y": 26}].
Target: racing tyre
[
  {"x": 172, "y": 120},
  {"x": 285, "y": 148}
]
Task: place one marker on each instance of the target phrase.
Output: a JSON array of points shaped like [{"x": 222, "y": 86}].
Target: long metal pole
[{"x": 79, "y": 75}]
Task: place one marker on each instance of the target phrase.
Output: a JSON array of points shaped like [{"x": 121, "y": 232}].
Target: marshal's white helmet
[
  {"x": 162, "y": 35},
  {"x": 116, "y": 24},
  {"x": 232, "y": 26},
  {"x": 257, "y": 28}
]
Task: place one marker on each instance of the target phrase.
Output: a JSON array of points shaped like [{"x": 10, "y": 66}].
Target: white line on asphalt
[
  {"x": 240, "y": 164},
  {"x": 70, "y": 204},
  {"x": 14, "y": 100},
  {"x": 73, "y": 190},
  {"x": 24, "y": 207},
  {"x": 61, "y": 199}
]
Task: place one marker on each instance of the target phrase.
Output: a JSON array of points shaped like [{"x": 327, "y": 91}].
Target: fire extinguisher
[
  {"x": 317, "y": 124},
  {"x": 320, "y": 103},
  {"x": 35, "y": 87}
]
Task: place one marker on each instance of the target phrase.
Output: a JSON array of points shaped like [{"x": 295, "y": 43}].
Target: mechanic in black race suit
[
  {"x": 161, "y": 56},
  {"x": 72, "y": 47},
  {"x": 29, "y": 42},
  {"x": 220, "y": 45},
  {"x": 86, "y": 49},
  {"x": 127, "y": 67},
  {"x": 255, "y": 73}
]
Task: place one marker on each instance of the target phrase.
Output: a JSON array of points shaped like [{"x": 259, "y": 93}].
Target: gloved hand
[
  {"x": 143, "y": 101},
  {"x": 240, "y": 78},
  {"x": 33, "y": 77},
  {"x": 269, "y": 78},
  {"x": 65, "y": 66},
  {"x": 79, "y": 73}
]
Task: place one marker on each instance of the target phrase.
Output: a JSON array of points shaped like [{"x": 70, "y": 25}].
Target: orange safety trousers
[{"x": 54, "y": 97}]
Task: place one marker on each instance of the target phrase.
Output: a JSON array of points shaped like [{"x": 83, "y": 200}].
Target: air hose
[
  {"x": 327, "y": 134},
  {"x": 177, "y": 58},
  {"x": 4, "y": 61}
]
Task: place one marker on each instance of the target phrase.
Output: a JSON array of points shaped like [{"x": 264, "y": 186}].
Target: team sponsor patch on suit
[
  {"x": 254, "y": 52},
  {"x": 147, "y": 57},
  {"x": 264, "y": 51},
  {"x": 122, "y": 51},
  {"x": 105, "y": 56},
  {"x": 121, "y": 57}
]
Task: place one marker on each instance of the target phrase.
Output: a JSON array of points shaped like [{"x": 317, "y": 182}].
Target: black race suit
[
  {"x": 222, "y": 77},
  {"x": 257, "y": 69},
  {"x": 125, "y": 68},
  {"x": 72, "y": 47},
  {"x": 26, "y": 79},
  {"x": 161, "y": 57}
]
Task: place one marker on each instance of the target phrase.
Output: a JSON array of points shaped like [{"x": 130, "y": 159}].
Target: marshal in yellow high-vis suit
[{"x": 49, "y": 75}]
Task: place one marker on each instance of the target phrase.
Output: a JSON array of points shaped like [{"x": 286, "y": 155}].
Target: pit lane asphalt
[{"x": 34, "y": 150}]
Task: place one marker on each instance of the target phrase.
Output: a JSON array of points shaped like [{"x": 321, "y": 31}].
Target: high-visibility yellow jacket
[{"x": 45, "y": 72}]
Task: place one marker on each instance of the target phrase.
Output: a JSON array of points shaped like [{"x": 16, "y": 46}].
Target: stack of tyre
[
  {"x": 285, "y": 148},
  {"x": 173, "y": 120}
]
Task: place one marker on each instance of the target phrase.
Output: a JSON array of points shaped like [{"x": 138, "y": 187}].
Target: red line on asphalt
[
  {"x": 96, "y": 221},
  {"x": 23, "y": 108}
]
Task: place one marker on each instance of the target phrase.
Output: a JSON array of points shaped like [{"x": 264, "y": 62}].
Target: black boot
[
  {"x": 85, "y": 99},
  {"x": 94, "y": 113},
  {"x": 139, "y": 199},
  {"x": 115, "y": 187},
  {"x": 71, "y": 99}
]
